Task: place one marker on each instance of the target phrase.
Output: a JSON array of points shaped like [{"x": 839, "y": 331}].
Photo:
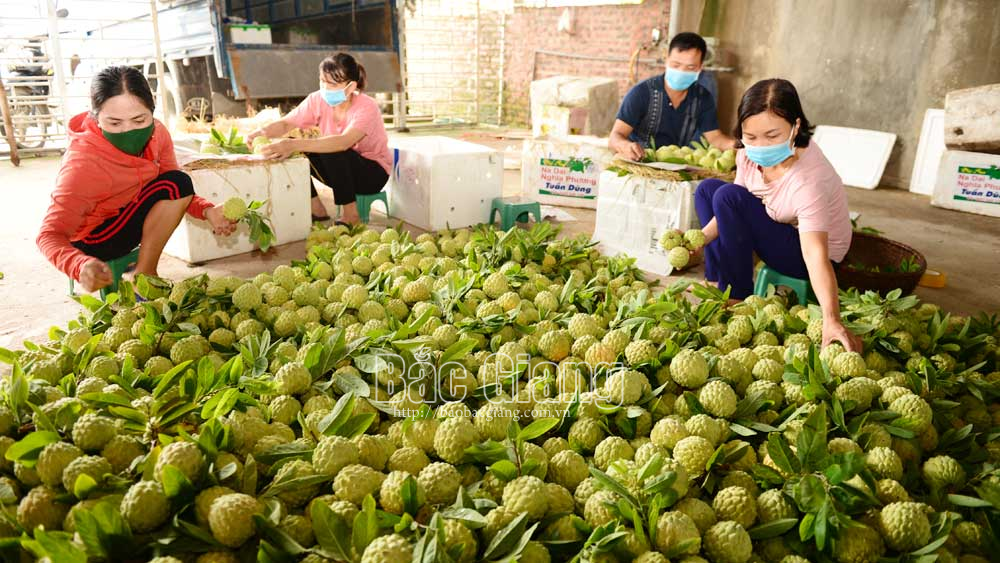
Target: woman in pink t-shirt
[
  {"x": 352, "y": 155},
  {"x": 787, "y": 205}
]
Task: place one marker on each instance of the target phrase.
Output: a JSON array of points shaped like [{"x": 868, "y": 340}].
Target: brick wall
[{"x": 608, "y": 31}]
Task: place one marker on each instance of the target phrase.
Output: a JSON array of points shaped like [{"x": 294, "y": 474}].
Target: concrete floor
[{"x": 33, "y": 295}]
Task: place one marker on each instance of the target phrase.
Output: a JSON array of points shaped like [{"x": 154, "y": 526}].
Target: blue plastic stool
[
  {"x": 118, "y": 267},
  {"x": 511, "y": 209},
  {"x": 766, "y": 277}
]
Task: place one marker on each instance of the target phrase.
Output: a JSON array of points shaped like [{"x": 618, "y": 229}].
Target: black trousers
[
  {"x": 348, "y": 174},
  {"x": 117, "y": 236}
]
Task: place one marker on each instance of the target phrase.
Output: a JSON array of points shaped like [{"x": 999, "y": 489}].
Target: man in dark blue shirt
[{"x": 671, "y": 108}]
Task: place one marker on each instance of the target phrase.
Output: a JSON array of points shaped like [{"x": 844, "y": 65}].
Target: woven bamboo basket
[{"x": 870, "y": 251}]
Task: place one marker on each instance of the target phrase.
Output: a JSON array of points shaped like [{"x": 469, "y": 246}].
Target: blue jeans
[{"x": 744, "y": 228}]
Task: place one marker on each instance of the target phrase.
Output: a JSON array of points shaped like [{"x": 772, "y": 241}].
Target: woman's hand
[
  {"x": 278, "y": 150},
  {"x": 220, "y": 225},
  {"x": 94, "y": 275},
  {"x": 249, "y": 138},
  {"x": 835, "y": 331}
]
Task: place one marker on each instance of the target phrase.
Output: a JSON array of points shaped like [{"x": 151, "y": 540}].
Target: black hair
[
  {"x": 685, "y": 41},
  {"x": 779, "y": 97},
  {"x": 344, "y": 68},
  {"x": 117, "y": 80}
]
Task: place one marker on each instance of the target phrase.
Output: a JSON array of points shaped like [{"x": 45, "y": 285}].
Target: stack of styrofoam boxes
[
  {"x": 970, "y": 181},
  {"x": 440, "y": 182},
  {"x": 284, "y": 184},
  {"x": 559, "y": 105}
]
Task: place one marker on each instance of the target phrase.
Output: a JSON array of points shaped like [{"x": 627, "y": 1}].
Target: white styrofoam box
[
  {"x": 249, "y": 33},
  {"x": 929, "y": 150},
  {"x": 440, "y": 182},
  {"x": 597, "y": 95},
  {"x": 969, "y": 181},
  {"x": 564, "y": 171},
  {"x": 633, "y": 212},
  {"x": 858, "y": 155},
  {"x": 285, "y": 185}
]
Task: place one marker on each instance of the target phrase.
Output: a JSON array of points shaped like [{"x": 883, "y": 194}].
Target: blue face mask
[
  {"x": 681, "y": 79},
  {"x": 770, "y": 155},
  {"x": 334, "y": 97}
]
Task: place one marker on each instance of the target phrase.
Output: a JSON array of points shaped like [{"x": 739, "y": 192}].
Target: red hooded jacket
[{"x": 95, "y": 181}]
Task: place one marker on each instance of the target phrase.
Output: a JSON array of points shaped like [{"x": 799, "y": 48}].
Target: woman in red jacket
[{"x": 119, "y": 185}]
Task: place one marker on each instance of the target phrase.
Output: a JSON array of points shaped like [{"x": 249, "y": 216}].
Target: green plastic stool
[
  {"x": 511, "y": 209},
  {"x": 766, "y": 276},
  {"x": 365, "y": 204},
  {"x": 118, "y": 268}
]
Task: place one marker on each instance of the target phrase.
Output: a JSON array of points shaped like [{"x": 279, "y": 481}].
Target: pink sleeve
[
  {"x": 741, "y": 163},
  {"x": 365, "y": 118},
  {"x": 812, "y": 211},
  {"x": 306, "y": 114}
]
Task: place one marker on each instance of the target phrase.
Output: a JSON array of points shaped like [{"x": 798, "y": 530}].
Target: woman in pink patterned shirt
[
  {"x": 787, "y": 205},
  {"x": 352, "y": 155}
]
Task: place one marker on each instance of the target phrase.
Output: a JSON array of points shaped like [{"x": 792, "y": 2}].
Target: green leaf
[
  {"x": 812, "y": 440},
  {"x": 967, "y": 501},
  {"x": 174, "y": 481},
  {"x": 332, "y": 533},
  {"x": 357, "y": 425},
  {"x": 457, "y": 351},
  {"x": 59, "y": 547},
  {"x": 809, "y": 493},
  {"x": 507, "y": 538},
  {"x": 772, "y": 529},
  {"x": 278, "y": 537},
  {"x": 84, "y": 485},
  {"x": 806, "y": 526},
  {"x": 337, "y": 416},
  {"x": 822, "y": 521},
  {"x": 505, "y": 470},
  {"x": 365, "y": 527},
  {"x": 26, "y": 450},
  {"x": 537, "y": 428},
  {"x": 411, "y": 503},
  {"x": 278, "y": 487},
  {"x": 781, "y": 454},
  {"x": 468, "y": 516},
  {"x": 612, "y": 485}
]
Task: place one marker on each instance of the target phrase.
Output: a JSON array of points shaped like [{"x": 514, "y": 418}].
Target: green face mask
[{"x": 130, "y": 142}]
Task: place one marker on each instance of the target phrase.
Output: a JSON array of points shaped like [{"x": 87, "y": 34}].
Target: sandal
[
  {"x": 320, "y": 219},
  {"x": 343, "y": 224}
]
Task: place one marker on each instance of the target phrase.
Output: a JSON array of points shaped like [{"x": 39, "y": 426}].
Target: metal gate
[
  {"x": 453, "y": 52},
  {"x": 46, "y": 79}
]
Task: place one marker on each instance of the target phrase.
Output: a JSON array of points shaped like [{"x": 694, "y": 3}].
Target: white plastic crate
[
  {"x": 285, "y": 186},
  {"x": 970, "y": 182},
  {"x": 439, "y": 182}
]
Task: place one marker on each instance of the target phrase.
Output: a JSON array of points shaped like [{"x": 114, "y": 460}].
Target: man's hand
[
  {"x": 279, "y": 150},
  {"x": 220, "y": 225},
  {"x": 835, "y": 331},
  {"x": 631, "y": 151},
  {"x": 94, "y": 275}
]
